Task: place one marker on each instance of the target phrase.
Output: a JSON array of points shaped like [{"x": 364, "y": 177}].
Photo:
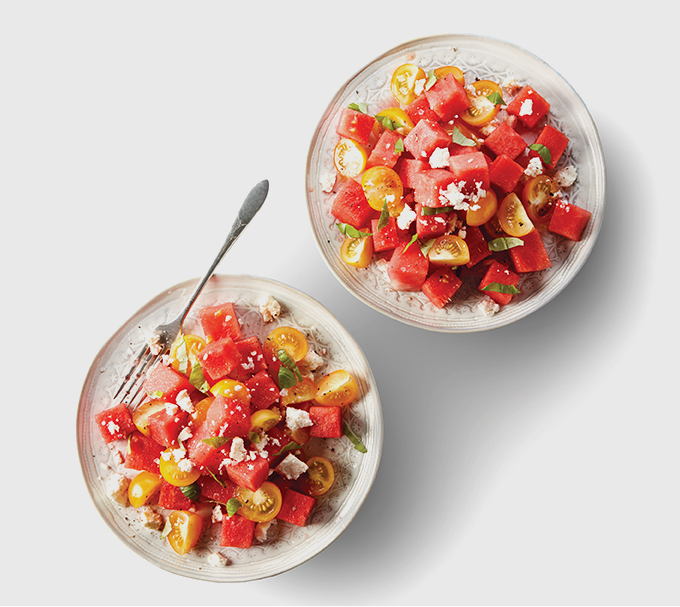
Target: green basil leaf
[
  {"x": 167, "y": 528},
  {"x": 497, "y": 287},
  {"x": 427, "y": 245},
  {"x": 287, "y": 378},
  {"x": 216, "y": 441},
  {"x": 496, "y": 98},
  {"x": 384, "y": 216},
  {"x": 217, "y": 480},
  {"x": 359, "y": 107},
  {"x": 289, "y": 363},
  {"x": 197, "y": 379},
  {"x": 291, "y": 446},
  {"x": 156, "y": 394},
  {"x": 461, "y": 139},
  {"x": 399, "y": 145},
  {"x": 504, "y": 243},
  {"x": 431, "y": 79},
  {"x": 232, "y": 506},
  {"x": 192, "y": 492},
  {"x": 413, "y": 239},
  {"x": 353, "y": 438},
  {"x": 351, "y": 231},
  {"x": 254, "y": 437},
  {"x": 389, "y": 123},
  {"x": 543, "y": 152},
  {"x": 435, "y": 210}
]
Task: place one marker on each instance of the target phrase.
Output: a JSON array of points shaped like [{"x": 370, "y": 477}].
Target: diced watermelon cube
[
  {"x": 408, "y": 168},
  {"x": 250, "y": 473},
  {"x": 441, "y": 286},
  {"x": 355, "y": 125},
  {"x": 172, "y": 498},
  {"x": 327, "y": 421},
  {"x": 164, "y": 426},
  {"x": 477, "y": 245},
  {"x": 350, "y": 205},
  {"x": 554, "y": 140},
  {"x": 420, "y": 110},
  {"x": 219, "y": 358},
  {"x": 263, "y": 391},
  {"x": 143, "y": 453},
  {"x": 218, "y": 422},
  {"x": 499, "y": 273},
  {"x": 424, "y": 138},
  {"x": 408, "y": 267},
  {"x": 430, "y": 226},
  {"x": 569, "y": 220},
  {"x": 252, "y": 359},
  {"x": 278, "y": 439},
  {"x": 472, "y": 169},
  {"x": 211, "y": 490},
  {"x": 505, "y": 173},
  {"x": 428, "y": 185},
  {"x": 237, "y": 532},
  {"x": 164, "y": 383},
  {"x": 528, "y": 106},
  {"x": 505, "y": 140},
  {"x": 296, "y": 508},
  {"x": 220, "y": 321},
  {"x": 531, "y": 256},
  {"x": 447, "y": 98},
  {"x": 384, "y": 153},
  {"x": 114, "y": 423}
]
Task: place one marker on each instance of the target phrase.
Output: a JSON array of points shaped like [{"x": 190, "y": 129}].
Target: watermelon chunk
[
  {"x": 263, "y": 391},
  {"x": 408, "y": 267},
  {"x": 408, "y": 168},
  {"x": 447, "y": 98},
  {"x": 505, "y": 173},
  {"x": 430, "y": 226},
  {"x": 424, "y": 138},
  {"x": 384, "y": 152},
  {"x": 327, "y": 421},
  {"x": 355, "y": 125},
  {"x": 216, "y": 424},
  {"x": 420, "y": 110},
  {"x": 441, "y": 286},
  {"x": 528, "y": 106},
  {"x": 219, "y": 358},
  {"x": 477, "y": 245},
  {"x": 250, "y": 473},
  {"x": 164, "y": 426},
  {"x": 472, "y": 169},
  {"x": 532, "y": 256},
  {"x": 505, "y": 140},
  {"x": 220, "y": 321},
  {"x": 497, "y": 272},
  {"x": 389, "y": 237},
  {"x": 211, "y": 490},
  {"x": 114, "y": 423},
  {"x": 569, "y": 220},
  {"x": 237, "y": 532},
  {"x": 296, "y": 508},
  {"x": 428, "y": 185},
  {"x": 143, "y": 453},
  {"x": 555, "y": 141},
  {"x": 252, "y": 359},
  {"x": 350, "y": 205},
  {"x": 172, "y": 498},
  {"x": 164, "y": 383}
]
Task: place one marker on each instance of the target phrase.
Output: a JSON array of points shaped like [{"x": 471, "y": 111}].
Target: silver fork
[{"x": 164, "y": 335}]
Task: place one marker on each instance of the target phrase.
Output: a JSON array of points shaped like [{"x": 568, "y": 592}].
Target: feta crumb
[
  {"x": 217, "y": 560},
  {"x": 511, "y": 85},
  {"x": 150, "y": 518},
  {"x": 185, "y": 465},
  {"x": 297, "y": 418},
  {"x": 439, "y": 159},
  {"x": 170, "y": 409},
  {"x": 117, "y": 489},
  {"x": 266, "y": 531},
  {"x": 327, "y": 182},
  {"x": 488, "y": 306},
  {"x": 312, "y": 361},
  {"x": 526, "y": 108},
  {"x": 291, "y": 467},
  {"x": 185, "y": 434},
  {"x": 238, "y": 451},
  {"x": 153, "y": 340},
  {"x": 112, "y": 427},
  {"x": 566, "y": 177},
  {"x": 183, "y": 401},
  {"x": 269, "y": 308},
  {"x": 452, "y": 196},
  {"x": 217, "y": 515},
  {"x": 534, "y": 168},
  {"x": 419, "y": 86},
  {"x": 406, "y": 217}
]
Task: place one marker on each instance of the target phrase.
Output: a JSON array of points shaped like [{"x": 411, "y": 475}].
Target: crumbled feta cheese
[
  {"x": 185, "y": 465},
  {"x": 238, "y": 451},
  {"x": 217, "y": 560},
  {"x": 534, "y": 168},
  {"x": 269, "y": 308},
  {"x": 112, "y": 427},
  {"x": 488, "y": 306},
  {"x": 526, "y": 108},
  {"x": 184, "y": 402},
  {"x": 327, "y": 182},
  {"x": 297, "y": 418},
  {"x": 150, "y": 518},
  {"x": 185, "y": 434},
  {"x": 566, "y": 177},
  {"x": 406, "y": 217},
  {"x": 117, "y": 489},
  {"x": 439, "y": 159},
  {"x": 153, "y": 340},
  {"x": 170, "y": 409},
  {"x": 266, "y": 531},
  {"x": 419, "y": 86},
  {"x": 291, "y": 467},
  {"x": 452, "y": 196},
  {"x": 217, "y": 515},
  {"x": 312, "y": 361},
  {"x": 511, "y": 85}
]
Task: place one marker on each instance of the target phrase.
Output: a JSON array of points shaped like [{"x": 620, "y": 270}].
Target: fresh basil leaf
[
  {"x": 216, "y": 441},
  {"x": 497, "y": 287},
  {"x": 192, "y": 492},
  {"x": 156, "y": 394},
  {"x": 182, "y": 356},
  {"x": 287, "y": 378},
  {"x": 232, "y": 506},
  {"x": 197, "y": 379},
  {"x": 399, "y": 145},
  {"x": 289, "y": 363},
  {"x": 435, "y": 210},
  {"x": 496, "y": 98},
  {"x": 461, "y": 139},
  {"x": 359, "y": 107},
  {"x": 254, "y": 437},
  {"x": 504, "y": 243},
  {"x": 413, "y": 239},
  {"x": 351, "y": 231},
  {"x": 217, "y": 480},
  {"x": 291, "y": 446},
  {"x": 167, "y": 528},
  {"x": 543, "y": 152},
  {"x": 384, "y": 216},
  {"x": 431, "y": 79},
  {"x": 389, "y": 123},
  {"x": 427, "y": 245},
  {"x": 353, "y": 438}
]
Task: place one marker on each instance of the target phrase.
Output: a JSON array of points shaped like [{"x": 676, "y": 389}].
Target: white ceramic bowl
[
  {"x": 355, "y": 471},
  {"x": 483, "y": 58}
]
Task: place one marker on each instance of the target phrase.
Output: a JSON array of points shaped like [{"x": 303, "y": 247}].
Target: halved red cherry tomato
[
  {"x": 487, "y": 208},
  {"x": 458, "y": 74},
  {"x": 337, "y": 388},
  {"x": 143, "y": 487},
  {"x": 513, "y": 217},
  {"x": 481, "y": 110},
  {"x": 357, "y": 252},
  {"x": 405, "y": 84},
  {"x": 383, "y": 185},
  {"x": 449, "y": 250},
  {"x": 290, "y": 339},
  {"x": 185, "y": 530},
  {"x": 179, "y": 474},
  {"x": 400, "y": 121},
  {"x": 538, "y": 196},
  {"x": 140, "y": 416},
  {"x": 321, "y": 475},
  {"x": 349, "y": 157},
  {"x": 262, "y": 505}
]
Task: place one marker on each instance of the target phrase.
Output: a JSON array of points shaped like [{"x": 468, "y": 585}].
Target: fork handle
[{"x": 250, "y": 207}]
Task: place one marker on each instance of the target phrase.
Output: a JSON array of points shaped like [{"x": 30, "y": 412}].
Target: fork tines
[{"x": 132, "y": 383}]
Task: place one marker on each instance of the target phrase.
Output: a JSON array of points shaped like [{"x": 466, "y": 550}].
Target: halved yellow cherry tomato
[
  {"x": 337, "y": 388},
  {"x": 264, "y": 420},
  {"x": 140, "y": 416},
  {"x": 493, "y": 228},
  {"x": 458, "y": 74},
  {"x": 487, "y": 209},
  {"x": 185, "y": 530},
  {"x": 201, "y": 410},
  {"x": 301, "y": 392},
  {"x": 143, "y": 487},
  {"x": 449, "y": 250},
  {"x": 289, "y": 339},
  {"x": 321, "y": 475},
  {"x": 481, "y": 110},
  {"x": 406, "y": 85},
  {"x": 349, "y": 157},
  {"x": 513, "y": 217},
  {"x": 262, "y": 505},
  {"x": 383, "y": 185},
  {"x": 179, "y": 474},
  {"x": 230, "y": 388},
  {"x": 401, "y": 121},
  {"x": 357, "y": 252},
  {"x": 194, "y": 345},
  {"x": 538, "y": 196}
]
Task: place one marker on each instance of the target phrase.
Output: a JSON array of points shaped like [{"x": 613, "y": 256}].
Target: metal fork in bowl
[{"x": 163, "y": 336}]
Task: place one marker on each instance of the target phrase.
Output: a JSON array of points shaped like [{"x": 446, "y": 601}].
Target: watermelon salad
[
  {"x": 225, "y": 443},
  {"x": 456, "y": 183}
]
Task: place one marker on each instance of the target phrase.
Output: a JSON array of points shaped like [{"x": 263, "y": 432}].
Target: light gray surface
[{"x": 534, "y": 464}]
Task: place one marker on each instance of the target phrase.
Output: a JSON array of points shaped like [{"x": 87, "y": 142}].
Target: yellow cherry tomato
[
  {"x": 481, "y": 211},
  {"x": 408, "y": 81},
  {"x": 349, "y": 157},
  {"x": 193, "y": 344},
  {"x": 383, "y": 185},
  {"x": 143, "y": 487},
  {"x": 140, "y": 416},
  {"x": 321, "y": 475},
  {"x": 449, "y": 250},
  {"x": 201, "y": 410},
  {"x": 180, "y": 473},
  {"x": 401, "y": 121},
  {"x": 259, "y": 506},
  {"x": 357, "y": 252},
  {"x": 337, "y": 388},
  {"x": 481, "y": 110},
  {"x": 185, "y": 529},
  {"x": 513, "y": 218},
  {"x": 264, "y": 420},
  {"x": 538, "y": 196},
  {"x": 301, "y": 392},
  {"x": 230, "y": 388},
  {"x": 289, "y": 339},
  {"x": 458, "y": 74}
]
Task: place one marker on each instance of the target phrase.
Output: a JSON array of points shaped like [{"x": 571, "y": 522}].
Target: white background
[{"x": 534, "y": 464}]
